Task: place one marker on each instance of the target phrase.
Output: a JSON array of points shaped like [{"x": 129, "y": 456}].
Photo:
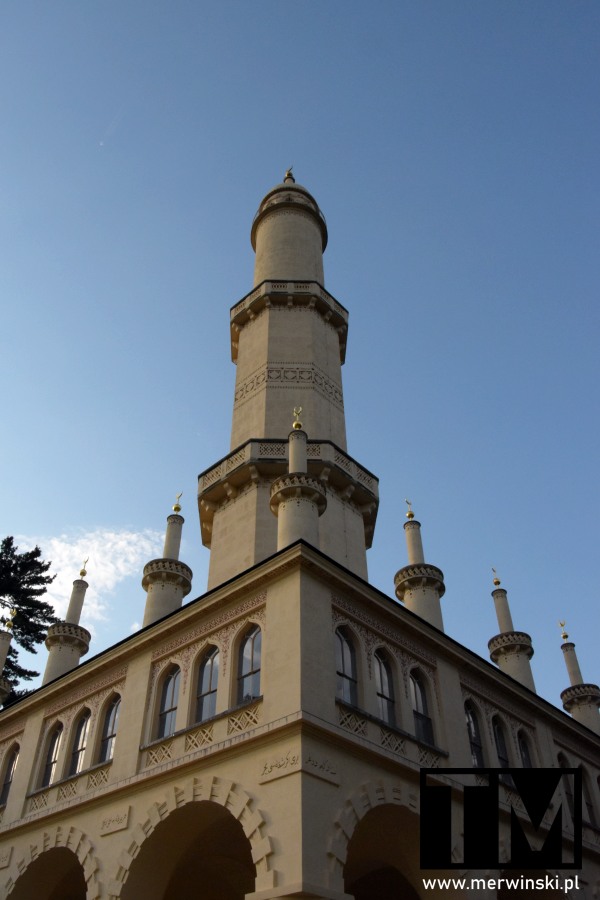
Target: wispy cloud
[{"x": 113, "y": 557}]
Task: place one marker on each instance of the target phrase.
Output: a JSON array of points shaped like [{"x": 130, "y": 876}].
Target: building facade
[{"x": 266, "y": 739}]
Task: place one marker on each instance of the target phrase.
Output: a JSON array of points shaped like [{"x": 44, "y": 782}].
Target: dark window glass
[
  {"x": 589, "y": 813},
  {"x": 168, "y": 704},
  {"x": 249, "y": 665},
  {"x": 567, "y": 783},
  {"x": 208, "y": 676},
  {"x": 79, "y": 744},
  {"x": 418, "y": 696},
  {"x": 385, "y": 688},
  {"x": 524, "y": 752},
  {"x": 109, "y": 730},
  {"x": 500, "y": 741},
  {"x": 49, "y": 773},
  {"x": 345, "y": 663},
  {"x": 474, "y": 736},
  {"x": 9, "y": 772}
]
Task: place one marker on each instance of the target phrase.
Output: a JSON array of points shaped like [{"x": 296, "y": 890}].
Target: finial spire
[
  {"x": 410, "y": 514},
  {"x": 563, "y": 634},
  {"x": 297, "y": 424},
  {"x": 177, "y": 504},
  {"x": 497, "y": 581},
  {"x": 288, "y": 176},
  {"x": 83, "y": 570}
]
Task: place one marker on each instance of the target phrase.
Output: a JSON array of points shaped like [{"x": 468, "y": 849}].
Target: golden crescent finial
[
  {"x": 564, "y": 634},
  {"x": 82, "y": 571},
  {"x": 410, "y": 514},
  {"x": 297, "y": 424},
  {"x": 496, "y": 579},
  {"x": 177, "y": 504},
  {"x": 288, "y": 175}
]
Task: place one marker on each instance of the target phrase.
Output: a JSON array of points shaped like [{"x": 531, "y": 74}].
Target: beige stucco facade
[{"x": 294, "y": 771}]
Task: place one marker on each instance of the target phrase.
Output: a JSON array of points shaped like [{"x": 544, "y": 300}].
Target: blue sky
[{"x": 453, "y": 147}]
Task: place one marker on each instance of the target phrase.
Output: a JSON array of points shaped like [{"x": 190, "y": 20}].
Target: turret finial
[
  {"x": 410, "y": 514},
  {"x": 288, "y": 176},
  {"x": 564, "y": 634},
  {"x": 7, "y": 621},
  {"x": 297, "y": 424},
  {"x": 82, "y": 571},
  {"x": 177, "y": 504},
  {"x": 496, "y": 579}
]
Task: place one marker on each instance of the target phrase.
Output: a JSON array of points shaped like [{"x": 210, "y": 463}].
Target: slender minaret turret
[
  {"x": 5, "y": 639},
  {"x": 67, "y": 641},
  {"x": 297, "y": 499},
  {"x": 167, "y": 580},
  {"x": 288, "y": 340},
  {"x": 581, "y": 700},
  {"x": 419, "y": 585},
  {"x": 511, "y": 650}
]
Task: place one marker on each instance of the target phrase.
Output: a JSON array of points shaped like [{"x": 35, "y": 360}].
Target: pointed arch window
[
  {"x": 249, "y": 660},
  {"x": 500, "y": 741},
  {"x": 208, "y": 677},
  {"x": 109, "y": 730},
  {"x": 563, "y": 763},
  {"x": 524, "y": 751},
  {"x": 80, "y": 739},
  {"x": 385, "y": 688},
  {"x": 345, "y": 664},
  {"x": 9, "y": 774},
  {"x": 422, "y": 719},
  {"x": 51, "y": 762},
  {"x": 169, "y": 698},
  {"x": 589, "y": 813},
  {"x": 474, "y": 733}
]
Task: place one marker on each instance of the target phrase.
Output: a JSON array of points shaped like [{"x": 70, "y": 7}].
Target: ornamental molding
[
  {"x": 73, "y": 697},
  {"x": 288, "y": 374},
  {"x": 484, "y": 696}
]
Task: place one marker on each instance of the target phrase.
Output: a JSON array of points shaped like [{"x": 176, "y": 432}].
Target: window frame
[
  {"x": 474, "y": 735},
  {"x": 52, "y": 755},
  {"x": 110, "y": 724},
  {"x": 8, "y": 773},
  {"x": 166, "y": 718},
  {"x": 386, "y": 702},
  {"x": 79, "y": 743},
  {"x": 346, "y": 688},
  {"x": 423, "y": 722},
  {"x": 211, "y": 656},
  {"x": 249, "y": 665}
]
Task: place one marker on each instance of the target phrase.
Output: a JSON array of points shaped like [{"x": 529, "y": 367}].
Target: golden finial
[
  {"x": 288, "y": 176},
  {"x": 297, "y": 424},
  {"x": 82, "y": 571},
  {"x": 8, "y": 623},
  {"x": 564, "y": 634},
  {"x": 496, "y": 579},
  {"x": 410, "y": 514},
  {"x": 177, "y": 504}
]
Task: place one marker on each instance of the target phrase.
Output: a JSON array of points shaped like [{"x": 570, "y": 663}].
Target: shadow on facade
[
  {"x": 56, "y": 874},
  {"x": 199, "y": 844},
  {"x": 383, "y": 856}
]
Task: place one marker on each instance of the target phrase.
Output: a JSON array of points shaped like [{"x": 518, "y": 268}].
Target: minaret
[
  {"x": 419, "y": 585},
  {"x": 297, "y": 499},
  {"x": 581, "y": 700},
  {"x": 5, "y": 639},
  {"x": 67, "y": 641},
  {"x": 511, "y": 650},
  {"x": 167, "y": 580},
  {"x": 288, "y": 341}
]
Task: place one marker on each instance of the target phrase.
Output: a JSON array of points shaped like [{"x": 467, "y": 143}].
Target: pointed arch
[
  {"x": 472, "y": 718},
  {"x": 420, "y": 693}
]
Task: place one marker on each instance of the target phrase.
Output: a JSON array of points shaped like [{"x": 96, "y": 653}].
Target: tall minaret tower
[
  {"x": 511, "y": 650},
  {"x": 419, "y": 585},
  {"x": 581, "y": 700},
  {"x": 288, "y": 340},
  {"x": 167, "y": 580},
  {"x": 68, "y": 641}
]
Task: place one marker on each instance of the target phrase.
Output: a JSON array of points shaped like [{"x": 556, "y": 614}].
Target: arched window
[
  {"x": 474, "y": 733},
  {"x": 208, "y": 676},
  {"x": 169, "y": 698},
  {"x": 422, "y": 720},
  {"x": 385, "y": 688},
  {"x": 9, "y": 772},
  {"x": 563, "y": 763},
  {"x": 345, "y": 664},
  {"x": 524, "y": 753},
  {"x": 109, "y": 730},
  {"x": 249, "y": 665},
  {"x": 49, "y": 773},
  {"x": 500, "y": 741},
  {"x": 79, "y": 743}
]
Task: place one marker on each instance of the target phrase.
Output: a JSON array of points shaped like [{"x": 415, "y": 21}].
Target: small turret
[
  {"x": 419, "y": 585},
  {"x": 167, "y": 581},
  {"x": 67, "y": 641},
  {"x": 511, "y": 650},
  {"x": 581, "y": 700},
  {"x": 297, "y": 499}
]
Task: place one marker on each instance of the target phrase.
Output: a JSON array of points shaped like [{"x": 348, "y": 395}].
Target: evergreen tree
[{"x": 23, "y": 581}]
